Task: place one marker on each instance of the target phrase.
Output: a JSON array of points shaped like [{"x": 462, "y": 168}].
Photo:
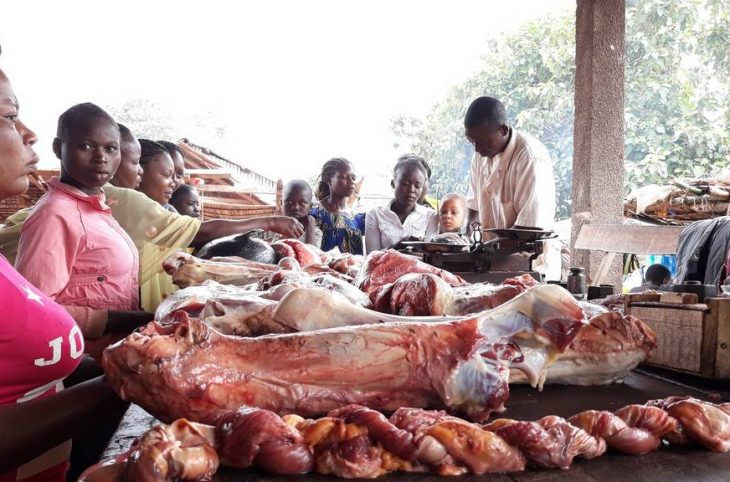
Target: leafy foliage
[{"x": 677, "y": 96}]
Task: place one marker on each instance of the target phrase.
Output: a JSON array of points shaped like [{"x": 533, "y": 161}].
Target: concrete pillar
[{"x": 598, "y": 136}]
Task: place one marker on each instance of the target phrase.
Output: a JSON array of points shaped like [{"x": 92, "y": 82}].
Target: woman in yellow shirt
[{"x": 156, "y": 232}]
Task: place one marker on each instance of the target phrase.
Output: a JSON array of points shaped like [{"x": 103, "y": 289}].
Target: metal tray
[
  {"x": 433, "y": 247},
  {"x": 521, "y": 234}
]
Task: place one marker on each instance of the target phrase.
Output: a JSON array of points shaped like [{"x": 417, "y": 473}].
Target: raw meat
[
  {"x": 384, "y": 267},
  {"x": 604, "y": 351},
  {"x": 426, "y": 294},
  {"x": 305, "y": 253},
  {"x": 196, "y": 372},
  {"x": 187, "y": 270},
  {"x": 357, "y": 442}
]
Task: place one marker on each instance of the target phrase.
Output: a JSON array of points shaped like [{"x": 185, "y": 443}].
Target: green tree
[{"x": 677, "y": 96}]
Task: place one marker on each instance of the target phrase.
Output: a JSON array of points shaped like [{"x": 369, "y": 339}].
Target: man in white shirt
[{"x": 511, "y": 178}]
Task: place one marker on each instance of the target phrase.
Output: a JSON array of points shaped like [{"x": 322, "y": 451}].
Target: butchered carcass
[
  {"x": 604, "y": 351},
  {"x": 385, "y": 267},
  {"x": 426, "y": 294},
  {"x": 187, "y": 270},
  {"x": 196, "y": 372},
  {"x": 304, "y": 253}
]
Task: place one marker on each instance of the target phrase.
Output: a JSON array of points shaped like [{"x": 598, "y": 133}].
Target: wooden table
[{"x": 525, "y": 403}]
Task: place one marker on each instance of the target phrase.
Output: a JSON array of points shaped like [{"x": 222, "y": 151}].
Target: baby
[
  {"x": 451, "y": 213},
  {"x": 186, "y": 200},
  {"x": 297, "y": 199}
]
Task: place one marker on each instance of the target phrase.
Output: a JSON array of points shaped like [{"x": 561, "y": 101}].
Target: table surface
[{"x": 526, "y": 403}]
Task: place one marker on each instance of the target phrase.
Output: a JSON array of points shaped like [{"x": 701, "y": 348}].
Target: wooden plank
[
  {"x": 619, "y": 238},
  {"x": 709, "y": 338},
  {"x": 680, "y": 298},
  {"x": 603, "y": 269},
  {"x": 208, "y": 173},
  {"x": 722, "y": 358},
  {"x": 678, "y": 335}
]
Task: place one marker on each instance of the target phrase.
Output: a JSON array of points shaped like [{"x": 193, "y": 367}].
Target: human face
[
  {"x": 297, "y": 202},
  {"x": 129, "y": 173},
  {"x": 342, "y": 183},
  {"x": 158, "y": 179},
  {"x": 188, "y": 204},
  {"x": 17, "y": 157},
  {"x": 179, "y": 163},
  {"x": 408, "y": 185},
  {"x": 89, "y": 154},
  {"x": 488, "y": 140},
  {"x": 451, "y": 215}
]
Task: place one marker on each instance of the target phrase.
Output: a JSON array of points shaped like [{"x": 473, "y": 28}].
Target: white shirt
[
  {"x": 383, "y": 228},
  {"x": 515, "y": 187}
]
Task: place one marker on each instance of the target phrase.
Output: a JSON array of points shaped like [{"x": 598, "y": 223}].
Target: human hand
[{"x": 286, "y": 226}]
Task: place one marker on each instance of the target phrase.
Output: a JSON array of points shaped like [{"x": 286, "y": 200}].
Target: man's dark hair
[
  {"x": 81, "y": 115},
  {"x": 485, "y": 110},
  {"x": 657, "y": 274}
]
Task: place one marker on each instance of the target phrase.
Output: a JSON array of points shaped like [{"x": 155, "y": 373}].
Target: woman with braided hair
[
  {"x": 341, "y": 228},
  {"x": 158, "y": 176}
]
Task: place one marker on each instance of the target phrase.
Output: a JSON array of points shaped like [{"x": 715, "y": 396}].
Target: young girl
[
  {"x": 158, "y": 178},
  {"x": 40, "y": 344},
  {"x": 186, "y": 201},
  {"x": 403, "y": 219},
  {"x": 178, "y": 162},
  {"x": 129, "y": 173},
  {"x": 341, "y": 228},
  {"x": 70, "y": 246}
]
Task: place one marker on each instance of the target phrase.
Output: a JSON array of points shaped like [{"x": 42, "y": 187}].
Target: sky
[{"x": 278, "y": 86}]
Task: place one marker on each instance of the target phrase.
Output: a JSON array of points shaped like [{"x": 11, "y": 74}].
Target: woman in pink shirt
[
  {"x": 71, "y": 247},
  {"x": 40, "y": 345}
]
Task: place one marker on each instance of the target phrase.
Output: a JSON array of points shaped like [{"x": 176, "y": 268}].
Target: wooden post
[{"x": 598, "y": 136}]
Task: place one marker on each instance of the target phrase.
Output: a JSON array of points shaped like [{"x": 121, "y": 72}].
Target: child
[
  {"x": 451, "y": 213},
  {"x": 129, "y": 173},
  {"x": 186, "y": 201},
  {"x": 297, "y": 199},
  {"x": 70, "y": 246}
]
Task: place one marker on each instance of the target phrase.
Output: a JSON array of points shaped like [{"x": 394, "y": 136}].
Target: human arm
[
  {"x": 310, "y": 229},
  {"x": 217, "y": 228},
  {"x": 39, "y": 425},
  {"x": 372, "y": 232}
]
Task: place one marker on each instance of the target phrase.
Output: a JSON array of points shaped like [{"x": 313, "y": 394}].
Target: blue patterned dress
[{"x": 344, "y": 230}]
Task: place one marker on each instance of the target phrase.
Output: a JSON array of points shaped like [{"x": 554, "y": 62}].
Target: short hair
[
  {"x": 125, "y": 134},
  {"x": 150, "y": 149},
  {"x": 408, "y": 161},
  {"x": 81, "y": 115},
  {"x": 656, "y": 274},
  {"x": 297, "y": 184},
  {"x": 181, "y": 191},
  {"x": 454, "y": 195},
  {"x": 485, "y": 110},
  {"x": 171, "y": 148},
  {"x": 328, "y": 170}
]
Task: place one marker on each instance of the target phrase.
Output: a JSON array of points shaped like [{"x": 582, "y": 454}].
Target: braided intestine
[{"x": 358, "y": 442}]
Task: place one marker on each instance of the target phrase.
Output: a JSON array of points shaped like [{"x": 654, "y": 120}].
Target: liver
[{"x": 664, "y": 465}]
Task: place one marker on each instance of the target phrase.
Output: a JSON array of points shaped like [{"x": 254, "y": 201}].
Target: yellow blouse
[{"x": 156, "y": 232}]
